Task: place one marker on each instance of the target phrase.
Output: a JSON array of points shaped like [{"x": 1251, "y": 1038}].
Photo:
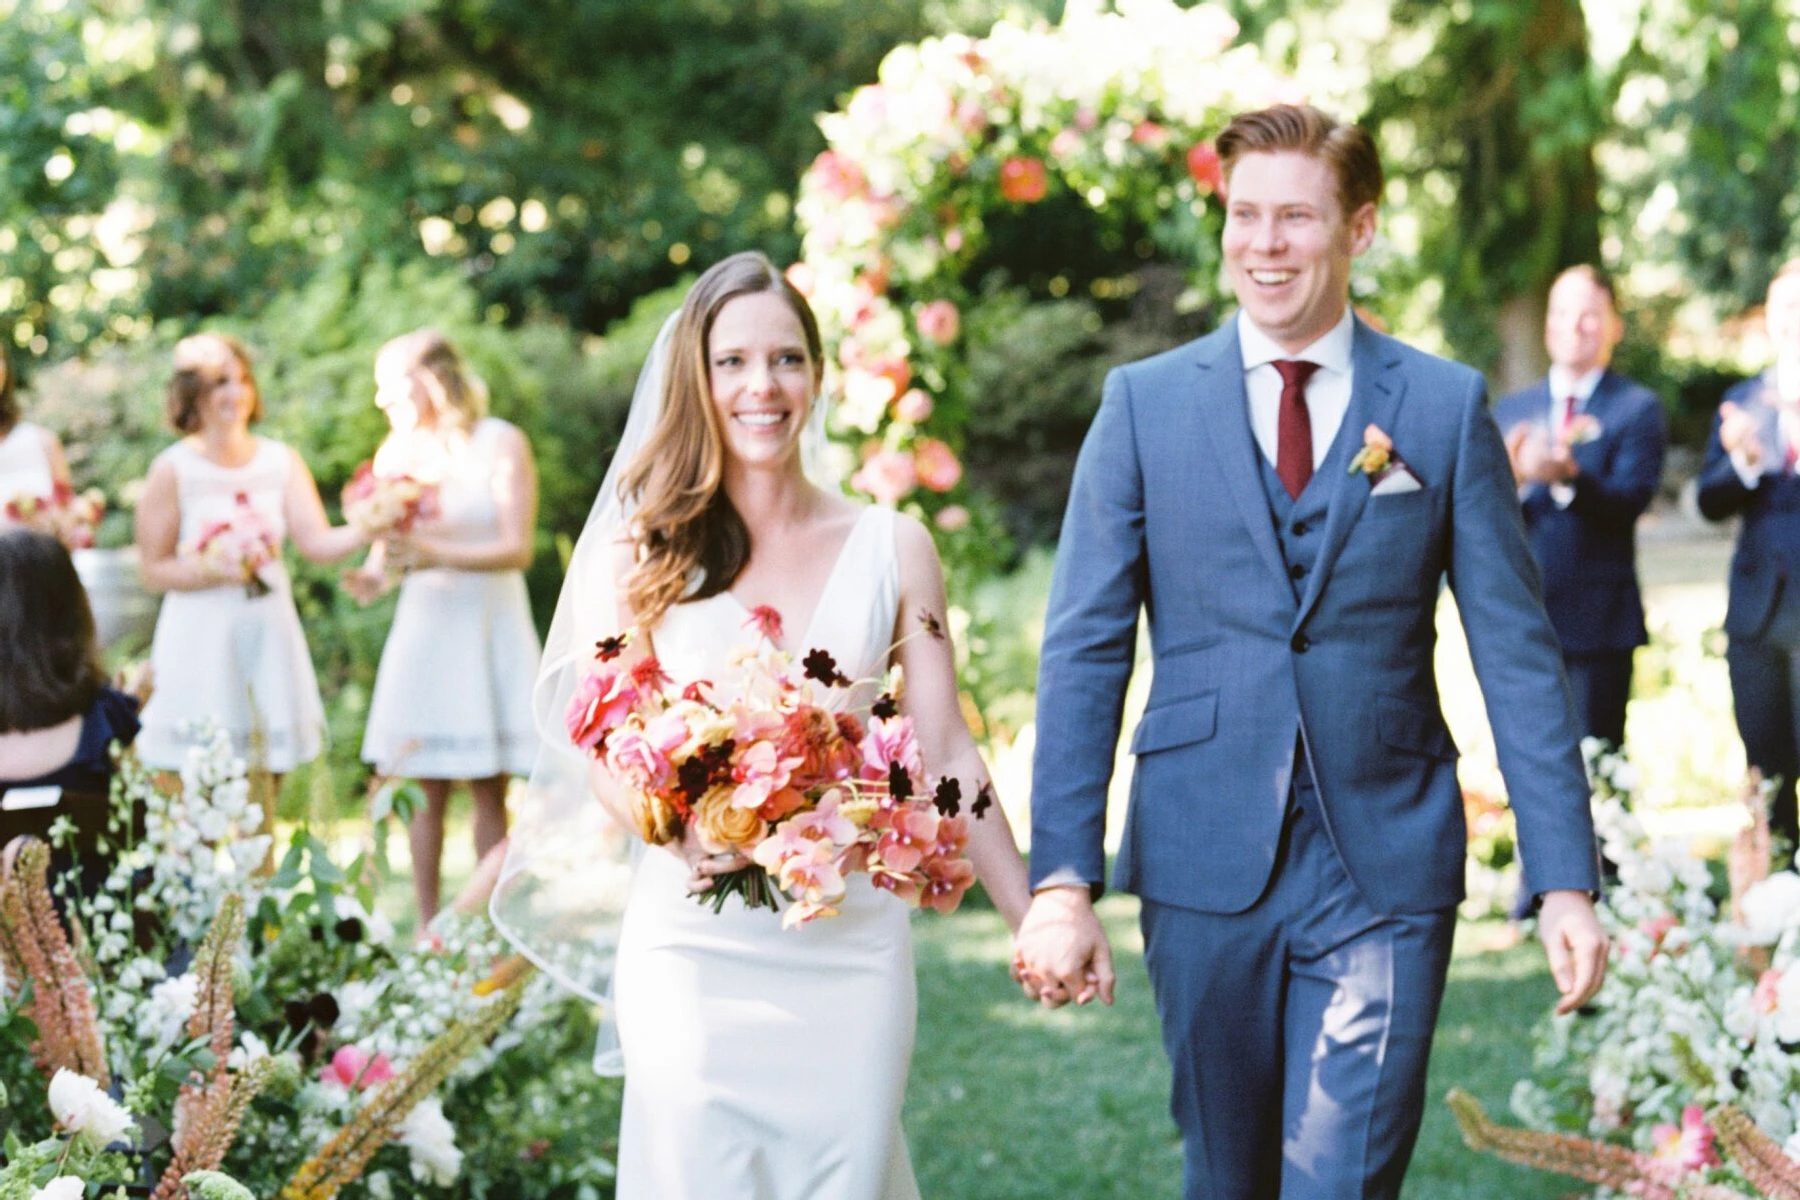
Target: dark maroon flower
[
  {"x": 885, "y": 708},
  {"x": 609, "y": 648},
  {"x": 899, "y": 782},
  {"x": 949, "y": 796},
  {"x": 819, "y": 665},
  {"x": 932, "y": 625},
  {"x": 984, "y": 800}
]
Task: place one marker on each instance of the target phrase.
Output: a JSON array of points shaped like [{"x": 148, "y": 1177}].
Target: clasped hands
[
  {"x": 1739, "y": 435},
  {"x": 1060, "y": 954},
  {"x": 1538, "y": 459}
]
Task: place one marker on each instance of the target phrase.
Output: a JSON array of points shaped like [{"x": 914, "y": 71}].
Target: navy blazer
[
  {"x": 1768, "y": 546},
  {"x": 1588, "y": 551},
  {"x": 1167, "y": 514}
]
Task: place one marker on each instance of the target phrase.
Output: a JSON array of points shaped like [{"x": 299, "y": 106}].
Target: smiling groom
[{"x": 1281, "y": 498}]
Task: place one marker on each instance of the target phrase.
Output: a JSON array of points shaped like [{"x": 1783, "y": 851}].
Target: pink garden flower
[
  {"x": 761, "y": 772},
  {"x": 1204, "y": 166},
  {"x": 952, "y": 518},
  {"x": 1767, "y": 996},
  {"x": 1691, "y": 1146},
  {"x": 353, "y": 1069},
  {"x": 938, "y": 322},
  {"x": 915, "y": 407},
  {"x": 839, "y": 175},
  {"x": 634, "y": 756},
  {"x": 936, "y": 465},
  {"x": 1023, "y": 180},
  {"x": 1065, "y": 143},
  {"x": 887, "y": 475},
  {"x": 890, "y": 740}
]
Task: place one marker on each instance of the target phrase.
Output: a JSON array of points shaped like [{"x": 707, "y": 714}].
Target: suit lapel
[
  {"x": 1375, "y": 395},
  {"x": 1224, "y": 414}
]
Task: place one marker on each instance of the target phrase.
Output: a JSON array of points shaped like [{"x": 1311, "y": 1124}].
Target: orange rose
[{"x": 724, "y": 827}]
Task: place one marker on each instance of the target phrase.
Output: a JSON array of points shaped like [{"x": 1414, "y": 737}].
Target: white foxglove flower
[
  {"x": 85, "y": 1111},
  {"x": 63, "y": 1187},
  {"x": 431, "y": 1140}
]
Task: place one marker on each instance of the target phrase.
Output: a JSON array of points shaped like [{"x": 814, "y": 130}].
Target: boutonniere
[
  {"x": 1376, "y": 455},
  {"x": 1582, "y": 429}
]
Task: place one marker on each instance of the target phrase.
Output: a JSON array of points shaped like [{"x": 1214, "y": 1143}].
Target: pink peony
[
  {"x": 1203, "y": 164},
  {"x": 890, "y": 740},
  {"x": 1691, "y": 1146},
  {"x": 938, "y": 322},
  {"x": 936, "y": 465},
  {"x": 1023, "y": 180},
  {"x": 839, "y": 175},
  {"x": 914, "y": 407},
  {"x": 600, "y": 704},
  {"x": 887, "y": 475},
  {"x": 636, "y": 758},
  {"x": 353, "y": 1069}
]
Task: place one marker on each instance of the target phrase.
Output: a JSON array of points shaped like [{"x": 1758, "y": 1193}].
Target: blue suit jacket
[
  {"x": 1588, "y": 551},
  {"x": 1167, "y": 513},
  {"x": 1768, "y": 547}
]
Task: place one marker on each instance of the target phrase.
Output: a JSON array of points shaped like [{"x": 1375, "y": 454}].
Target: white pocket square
[{"x": 1396, "y": 481}]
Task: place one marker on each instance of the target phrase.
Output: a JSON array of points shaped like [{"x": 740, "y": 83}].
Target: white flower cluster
[{"x": 1695, "y": 1010}]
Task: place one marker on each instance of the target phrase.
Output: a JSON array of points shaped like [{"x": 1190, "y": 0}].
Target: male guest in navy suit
[
  {"x": 1749, "y": 471},
  {"x": 1281, "y": 499},
  {"x": 1587, "y": 449}
]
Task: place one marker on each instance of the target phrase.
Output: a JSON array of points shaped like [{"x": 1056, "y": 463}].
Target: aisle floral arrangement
[
  {"x": 1682, "y": 1078},
  {"x": 760, "y": 764},
  {"x": 65, "y": 514},
  {"x": 217, "y": 1030}
]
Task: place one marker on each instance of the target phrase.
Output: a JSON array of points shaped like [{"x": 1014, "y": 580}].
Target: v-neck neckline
[{"x": 837, "y": 567}]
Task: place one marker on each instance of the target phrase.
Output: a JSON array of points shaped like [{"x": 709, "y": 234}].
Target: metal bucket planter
[{"x": 124, "y": 613}]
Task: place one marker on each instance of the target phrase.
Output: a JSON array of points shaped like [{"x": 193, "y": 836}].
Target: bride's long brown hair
[{"x": 683, "y": 519}]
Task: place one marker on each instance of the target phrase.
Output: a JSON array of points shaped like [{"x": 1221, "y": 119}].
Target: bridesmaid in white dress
[
  {"x": 762, "y": 1063},
  {"x": 219, "y": 652},
  {"x": 452, "y": 696},
  {"x": 31, "y": 458}
]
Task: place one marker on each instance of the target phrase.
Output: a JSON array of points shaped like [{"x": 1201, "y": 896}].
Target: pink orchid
[
  {"x": 761, "y": 772},
  {"x": 890, "y": 740},
  {"x": 946, "y": 881},
  {"x": 1691, "y": 1146},
  {"x": 600, "y": 704},
  {"x": 912, "y": 832},
  {"x": 826, "y": 823},
  {"x": 354, "y": 1069}
]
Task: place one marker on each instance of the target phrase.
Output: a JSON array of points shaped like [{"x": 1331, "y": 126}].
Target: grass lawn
[{"x": 1008, "y": 1101}]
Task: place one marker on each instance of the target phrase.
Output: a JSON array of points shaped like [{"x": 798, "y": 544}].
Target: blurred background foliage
[{"x": 538, "y": 177}]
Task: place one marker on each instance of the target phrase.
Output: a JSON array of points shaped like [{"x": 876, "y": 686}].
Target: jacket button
[
  {"x": 1297, "y": 571},
  {"x": 1298, "y": 529},
  {"x": 1301, "y": 643}
]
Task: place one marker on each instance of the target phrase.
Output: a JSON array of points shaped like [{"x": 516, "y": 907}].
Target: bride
[{"x": 760, "y": 1063}]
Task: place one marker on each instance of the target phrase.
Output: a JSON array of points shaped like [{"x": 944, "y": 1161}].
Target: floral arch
[{"x": 1114, "y": 109}]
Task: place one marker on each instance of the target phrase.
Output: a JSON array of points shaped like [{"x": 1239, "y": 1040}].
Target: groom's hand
[
  {"x": 1576, "y": 944},
  {"x": 1061, "y": 952}
]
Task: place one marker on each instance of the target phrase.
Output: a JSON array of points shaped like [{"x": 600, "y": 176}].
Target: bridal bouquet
[
  {"x": 65, "y": 514},
  {"x": 762, "y": 767},
  {"x": 242, "y": 544},
  {"x": 387, "y": 503}
]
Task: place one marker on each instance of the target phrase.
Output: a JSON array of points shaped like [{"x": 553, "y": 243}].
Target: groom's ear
[{"x": 1362, "y": 229}]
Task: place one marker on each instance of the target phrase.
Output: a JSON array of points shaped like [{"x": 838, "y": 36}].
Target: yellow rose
[
  {"x": 724, "y": 827},
  {"x": 657, "y": 823}
]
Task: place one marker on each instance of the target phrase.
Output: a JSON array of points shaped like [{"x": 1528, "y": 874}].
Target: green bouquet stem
[{"x": 751, "y": 882}]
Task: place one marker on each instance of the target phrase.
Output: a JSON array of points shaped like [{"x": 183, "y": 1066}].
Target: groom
[{"x": 1282, "y": 498}]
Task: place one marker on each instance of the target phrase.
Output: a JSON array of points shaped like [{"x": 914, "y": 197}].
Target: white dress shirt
[
  {"x": 1327, "y": 392},
  {"x": 1563, "y": 384}
]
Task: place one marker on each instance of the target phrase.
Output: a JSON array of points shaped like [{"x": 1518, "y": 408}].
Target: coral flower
[
  {"x": 936, "y": 465},
  {"x": 1023, "y": 180},
  {"x": 911, "y": 833},
  {"x": 1204, "y": 166},
  {"x": 354, "y": 1069},
  {"x": 947, "y": 879},
  {"x": 888, "y": 476},
  {"x": 938, "y": 322},
  {"x": 914, "y": 407}
]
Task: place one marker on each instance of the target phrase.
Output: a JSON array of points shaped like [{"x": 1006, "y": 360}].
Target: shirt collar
[
  {"x": 1331, "y": 351},
  {"x": 1787, "y": 379},
  {"x": 1564, "y": 382}
]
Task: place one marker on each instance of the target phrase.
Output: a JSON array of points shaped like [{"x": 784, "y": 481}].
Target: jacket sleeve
[
  {"x": 1722, "y": 492},
  {"x": 1620, "y": 494},
  {"x": 1518, "y": 662},
  {"x": 1090, "y": 641}
]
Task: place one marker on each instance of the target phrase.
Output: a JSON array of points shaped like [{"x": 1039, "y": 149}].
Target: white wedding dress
[{"x": 763, "y": 1063}]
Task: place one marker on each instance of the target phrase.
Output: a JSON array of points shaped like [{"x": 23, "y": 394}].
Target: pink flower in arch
[
  {"x": 887, "y": 475},
  {"x": 936, "y": 465},
  {"x": 839, "y": 175},
  {"x": 1204, "y": 166},
  {"x": 939, "y": 322},
  {"x": 952, "y": 518},
  {"x": 914, "y": 407}
]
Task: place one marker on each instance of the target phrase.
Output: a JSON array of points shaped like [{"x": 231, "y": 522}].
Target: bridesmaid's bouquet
[
  {"x": 65, "y": 514},
  {"x": 387, "y": 503},
  {"x": 761, "y": 767},
  {"x": 241, "y": 544}
]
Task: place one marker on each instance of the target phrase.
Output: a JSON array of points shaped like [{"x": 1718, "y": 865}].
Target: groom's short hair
[{"x": 1300, "y": 127}]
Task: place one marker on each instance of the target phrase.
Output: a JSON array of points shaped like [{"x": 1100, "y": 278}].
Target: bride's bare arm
[{"x": 930, "y": 698}]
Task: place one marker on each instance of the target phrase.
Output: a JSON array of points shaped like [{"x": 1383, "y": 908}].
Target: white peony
[
  {"x": 164, "y": 1017},
  {"x": 1772, "y": 907},
  {"x": 250, "y": 1049},
  {"x": 85, "y": 1111},
  {"x": 63, "y": 1187},
  {"x": 429, "y": 1138}
]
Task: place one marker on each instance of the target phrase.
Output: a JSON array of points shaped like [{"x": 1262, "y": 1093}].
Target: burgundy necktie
[
  {"x": 1568, "y": 417},
  {"x": 1293, "y": 431}
]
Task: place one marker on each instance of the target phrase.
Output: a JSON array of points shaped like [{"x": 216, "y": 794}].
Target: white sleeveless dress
[
  {"x": 221, "y": 654},
  {"x": 763, "y": 1063},
  {"x": 24, "y": 467},
  {"x": 452, "y": 696}
]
